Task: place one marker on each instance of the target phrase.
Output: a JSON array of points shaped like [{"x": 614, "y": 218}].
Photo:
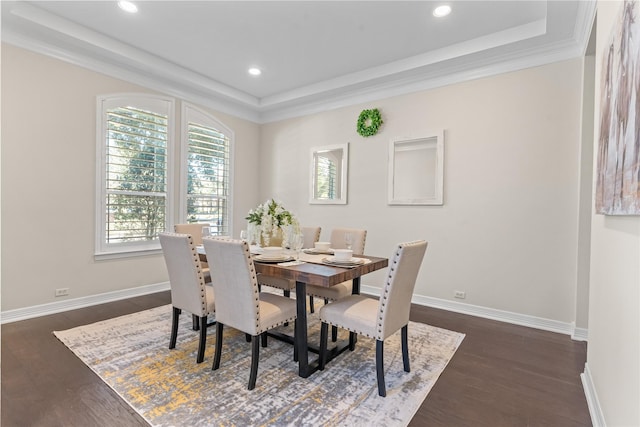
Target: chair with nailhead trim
[
  {"x": 188, "y": 289},
  {"x": 343, "y": 289},
  {"x": 239, "y": 303},
  {"x": 382, "y": 318}
]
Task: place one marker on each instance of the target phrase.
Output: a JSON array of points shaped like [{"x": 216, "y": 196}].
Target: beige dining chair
[
  {"x": 379, "y": 319},
  {"x": 341, "y": 290},
  {"x": 195, "y": 230},
  {"x": 188, "y": 289},
  {"x": 310, "y": 235},
  {"x": 239, "y": 303}
]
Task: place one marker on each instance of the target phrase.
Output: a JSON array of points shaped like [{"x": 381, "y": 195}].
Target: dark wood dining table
[{"x": 320, "y": 275}]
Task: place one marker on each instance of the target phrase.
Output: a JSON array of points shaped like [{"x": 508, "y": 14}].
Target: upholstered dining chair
[
  {"x": 195, "y": 230},
  {"x": 382, "y": 318},
  {"x": 188, "y": 289},
  {"x": 239, "y": 304},
  {"x": 310, "y": 235},
  {"x": 343, "y": 289}
]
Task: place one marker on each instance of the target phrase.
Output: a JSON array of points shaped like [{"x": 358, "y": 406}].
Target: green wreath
[{"x": 369, "y": 122}]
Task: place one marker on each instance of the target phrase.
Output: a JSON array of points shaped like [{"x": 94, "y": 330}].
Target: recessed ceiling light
[
  {"x": 127, "y": 6},
  {"x": 255, "y": 71},
  {"x": 441, "y": 11}
]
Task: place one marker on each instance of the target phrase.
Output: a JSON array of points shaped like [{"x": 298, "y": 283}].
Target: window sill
[{"x": 102, "y": 256}]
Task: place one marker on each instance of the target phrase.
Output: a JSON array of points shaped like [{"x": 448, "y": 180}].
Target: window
[
  {"x": 206, "y": 180},
  {"x": 134, "y": 173}
]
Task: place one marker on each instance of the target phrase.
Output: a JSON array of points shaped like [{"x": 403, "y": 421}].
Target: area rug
[{"x": 168, "y": 388}]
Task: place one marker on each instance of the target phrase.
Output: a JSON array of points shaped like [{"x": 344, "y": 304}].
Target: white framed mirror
[
  {"x": 329, "y": 167},
  {"x": 416, "y": 170}
]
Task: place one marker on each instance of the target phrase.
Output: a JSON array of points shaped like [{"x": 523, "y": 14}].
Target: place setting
[
  {"x": 344, "y": 258},
  {"x": 320, "y": 248}
]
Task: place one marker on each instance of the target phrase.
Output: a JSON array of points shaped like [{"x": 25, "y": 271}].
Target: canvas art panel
[{"x": 618, "y": 167}]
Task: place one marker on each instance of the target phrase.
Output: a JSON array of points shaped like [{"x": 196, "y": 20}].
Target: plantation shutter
[
  {"x": 136, "y": 174},
  {"x": 208, "y": 175}
]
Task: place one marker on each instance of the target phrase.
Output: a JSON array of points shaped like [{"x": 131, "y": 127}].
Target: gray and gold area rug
[{"x": 168, "y": 388}]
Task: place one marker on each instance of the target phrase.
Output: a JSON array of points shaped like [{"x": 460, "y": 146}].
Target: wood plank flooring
[{"x": 502, "y": 374}]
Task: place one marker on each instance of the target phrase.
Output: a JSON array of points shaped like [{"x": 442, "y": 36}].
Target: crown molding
[{"x": 37, "y": 30}]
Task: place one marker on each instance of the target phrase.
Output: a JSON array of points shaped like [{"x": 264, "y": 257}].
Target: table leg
[
  {"x": 301, "y": 330},
  {"x": 353, "y": 338},
  {"x": 355, "y": 289}
]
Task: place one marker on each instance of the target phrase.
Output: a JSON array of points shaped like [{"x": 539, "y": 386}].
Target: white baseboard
[
  {"x": 597, "y": 417},
  {"x": 493, "y": 314},
  {"x": 580, "y": 334},
  {"x": 72, "y": 304},
  {"x": 472, "y": 310}
]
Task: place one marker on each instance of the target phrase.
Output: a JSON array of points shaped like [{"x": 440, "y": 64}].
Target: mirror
[
  {"x": 329, "y": 174},
  {"x": 416, "y": 171}
]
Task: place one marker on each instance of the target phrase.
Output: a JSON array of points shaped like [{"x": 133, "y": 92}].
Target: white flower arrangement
[{"x": 267, "y": 219}]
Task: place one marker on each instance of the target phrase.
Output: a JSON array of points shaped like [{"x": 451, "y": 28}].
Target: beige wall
[
  {"x": 613, "y": 356},
  {"x": 507, "y": 232},
  {"x": 48, "y": 182}
]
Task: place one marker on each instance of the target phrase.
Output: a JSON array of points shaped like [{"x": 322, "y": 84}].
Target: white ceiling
[{"x": 314, "y": 55}]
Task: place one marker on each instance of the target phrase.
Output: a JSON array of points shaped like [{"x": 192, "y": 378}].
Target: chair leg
[
  {"x": 287, "y": 294},
  {"x": 323, "y": 345},
  {"x": 311, "y": 308},
  {"x": 247, "y": 337},
  {"x": 216, "y": 358},
  {"x": 255, "y": 355},
  {"x": 203, "y": 339},
  {"x": 405, "y": 348},
  {"x": 382, "y": 390},
  {"x": 263, "y": 338},
  {"x": 194, "y": 322},
  {"x": 174, "y": 327},
  {"x": 352, "y": 341},
  {"x": 334, "y": 333}
]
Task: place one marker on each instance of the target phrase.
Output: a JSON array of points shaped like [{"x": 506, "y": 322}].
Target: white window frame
[
  {"x": 156, "y": 103},
  {"x": 192, "y": 113}
]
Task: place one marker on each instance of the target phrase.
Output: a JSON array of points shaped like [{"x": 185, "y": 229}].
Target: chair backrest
[
  {"x": 194, "y": 229},
  {"x": 234, "y": 283},
  {"x": 395, "y": 300},
  {"x": 185, "y": 272},
  {"x": 359, "y": 236},
  {"x": 311, "y": 235}
]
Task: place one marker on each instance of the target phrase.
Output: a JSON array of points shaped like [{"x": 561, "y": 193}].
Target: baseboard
[
  {"x": 597, "y": 417},
  {"x": 580, "y": 334},
  {"x": 472, "y": 310},
  {"x": 72, "y": 304},
  {"x": 493, "y": 314}
]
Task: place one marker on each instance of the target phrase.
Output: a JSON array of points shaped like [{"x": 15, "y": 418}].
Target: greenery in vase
[{"x": 270, "y": 217}]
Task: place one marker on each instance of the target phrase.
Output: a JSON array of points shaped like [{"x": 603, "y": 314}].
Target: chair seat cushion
[
  {"x": 275, "y": 310},
  {"x": 355, "y": 313},
  {"x": 332, "y": 293},
  {"x": 277, "y": 282}
]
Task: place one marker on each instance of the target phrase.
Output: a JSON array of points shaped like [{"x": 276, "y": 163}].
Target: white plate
[
  {"x": 279, "y": 258},
  {"x": 311, "y": 251},
  {"x": 353, "y": 261}
]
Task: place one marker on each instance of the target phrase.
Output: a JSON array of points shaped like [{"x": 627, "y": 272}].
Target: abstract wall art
[{"x": 618, "y": 164}]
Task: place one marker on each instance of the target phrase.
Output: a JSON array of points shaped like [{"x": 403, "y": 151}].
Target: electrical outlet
[
  {"x": 460, "y": 294},
  {"x": 62, "y": 292}
]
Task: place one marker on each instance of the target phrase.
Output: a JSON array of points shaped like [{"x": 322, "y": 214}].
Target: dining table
[{"x": 314, "y": 269}]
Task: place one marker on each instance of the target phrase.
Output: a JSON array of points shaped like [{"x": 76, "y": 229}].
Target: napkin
[{"x": 291, "y": 263}]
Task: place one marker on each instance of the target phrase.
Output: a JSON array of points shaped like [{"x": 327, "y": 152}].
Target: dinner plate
[
  {"x": 318, "y": 251},
  {"x": 279, "y": 258},
  {"x": 348, "y": 263}
]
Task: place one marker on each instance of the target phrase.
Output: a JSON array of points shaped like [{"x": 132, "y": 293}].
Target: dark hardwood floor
[{"x": 502, "y": 374}]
